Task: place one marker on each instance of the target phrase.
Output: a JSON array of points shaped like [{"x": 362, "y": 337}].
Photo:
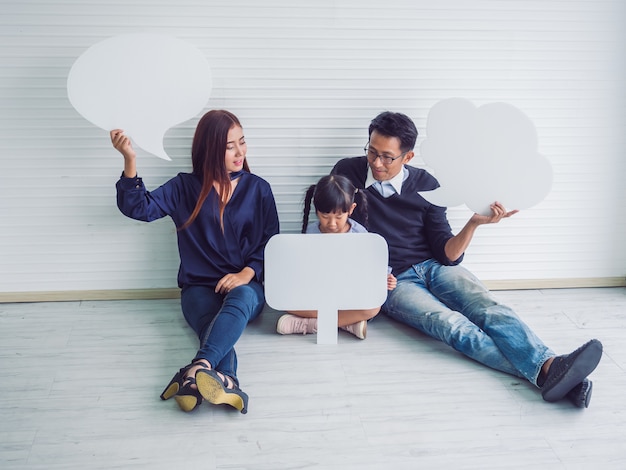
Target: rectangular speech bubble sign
[{"x": 327, "y": 273}]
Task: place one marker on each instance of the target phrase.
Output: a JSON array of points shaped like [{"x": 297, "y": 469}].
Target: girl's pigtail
[
  {"x": 307, "y": 206},
  {"x": 360, "y": 197}
]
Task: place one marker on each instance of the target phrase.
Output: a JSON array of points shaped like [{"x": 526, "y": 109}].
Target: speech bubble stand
[{"x": 327, "y": 273}]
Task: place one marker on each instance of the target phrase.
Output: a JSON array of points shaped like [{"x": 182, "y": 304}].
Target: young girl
[
  {"x": 224, "y": 216},
  {"x": 334, "y": 198}
]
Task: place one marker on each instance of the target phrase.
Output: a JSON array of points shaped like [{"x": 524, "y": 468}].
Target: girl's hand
[
  {"x": 232, "y": 280},
  {"x": 392, "y": 282}
]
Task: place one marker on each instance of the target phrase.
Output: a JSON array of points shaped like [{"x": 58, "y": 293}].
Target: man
[{"x": 434, "y": 294}]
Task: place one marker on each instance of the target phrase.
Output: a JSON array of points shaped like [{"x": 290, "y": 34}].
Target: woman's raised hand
[{"x": 122, "y": 144}]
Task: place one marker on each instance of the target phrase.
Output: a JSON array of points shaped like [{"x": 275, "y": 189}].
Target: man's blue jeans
[
  {"x": 219, "y": 321},
  {"x": 450, "y": 304}
]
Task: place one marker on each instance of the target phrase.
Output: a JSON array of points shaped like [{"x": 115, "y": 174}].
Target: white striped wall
[{"x": 305, "y": 78}]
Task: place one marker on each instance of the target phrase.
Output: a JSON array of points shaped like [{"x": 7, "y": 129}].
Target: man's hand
[
  {"x": 498, "y": 212},
  {"x": 457, "y": 245}
]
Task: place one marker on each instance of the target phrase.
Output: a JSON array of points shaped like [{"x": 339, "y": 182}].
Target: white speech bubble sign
[
  {"x": 141, "y": 83},
  {"x": 482, "y": 155},
  {"x": 327, "y": 273}
]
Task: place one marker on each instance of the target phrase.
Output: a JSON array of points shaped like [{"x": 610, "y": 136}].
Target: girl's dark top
[{"x": 207, "y": 254}]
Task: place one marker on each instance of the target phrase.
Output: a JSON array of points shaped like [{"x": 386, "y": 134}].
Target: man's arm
[{"x": 457, "y": 245}]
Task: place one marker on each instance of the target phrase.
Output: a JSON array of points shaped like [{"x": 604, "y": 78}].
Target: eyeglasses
[{"x": 386, "y": 159}]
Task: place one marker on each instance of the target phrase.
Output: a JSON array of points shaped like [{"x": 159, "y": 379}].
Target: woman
[{"x": 224, "y": 216}]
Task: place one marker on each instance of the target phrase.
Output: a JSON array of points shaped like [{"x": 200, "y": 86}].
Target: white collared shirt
[{"x": 389, "y": 187}]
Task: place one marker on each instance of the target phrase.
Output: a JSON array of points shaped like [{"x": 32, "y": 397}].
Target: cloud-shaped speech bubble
[
  {"x": 142, "y": 83},
  {"x": 482, "y": 155}
]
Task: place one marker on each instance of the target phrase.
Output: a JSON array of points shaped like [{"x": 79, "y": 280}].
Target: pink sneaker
[
  {"x": 358, "y": 329},
  {"x": 290, "y": 324}
]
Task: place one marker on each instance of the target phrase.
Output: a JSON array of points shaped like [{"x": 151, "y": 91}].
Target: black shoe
[
  {"x": 179, "y": 378},
  {"x": 216, "y": 390},
  {"x": 567, "y": 371},
  {"x": 580, "y": 395},
  {"x": 188, "y": 398},
  {"x": 175, "y": 384}
]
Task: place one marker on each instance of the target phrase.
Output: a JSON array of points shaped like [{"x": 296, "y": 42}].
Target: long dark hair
[
  {"x": 333, "y": 193},
  {"x": 207, "y": 158}
]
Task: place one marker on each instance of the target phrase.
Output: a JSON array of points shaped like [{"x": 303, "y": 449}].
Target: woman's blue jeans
[
  {"x": 219, "y": 321},
  {"x": 450, "y": 304}
]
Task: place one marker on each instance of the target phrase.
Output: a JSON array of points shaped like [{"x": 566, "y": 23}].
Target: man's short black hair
[{"x": 395, "y": 125}]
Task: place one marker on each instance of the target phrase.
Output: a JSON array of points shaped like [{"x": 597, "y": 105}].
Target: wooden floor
[{"x": 80, "y": 385}]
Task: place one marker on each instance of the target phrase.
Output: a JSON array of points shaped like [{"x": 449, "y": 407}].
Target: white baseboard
[
  {"x": 520, "y": 284},
  {"x": 78, "y": 295},
  {"x": 174, "y": 293}
]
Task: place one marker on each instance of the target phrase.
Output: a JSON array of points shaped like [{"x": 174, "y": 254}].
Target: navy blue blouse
[{"x": 207, "y": 254}]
